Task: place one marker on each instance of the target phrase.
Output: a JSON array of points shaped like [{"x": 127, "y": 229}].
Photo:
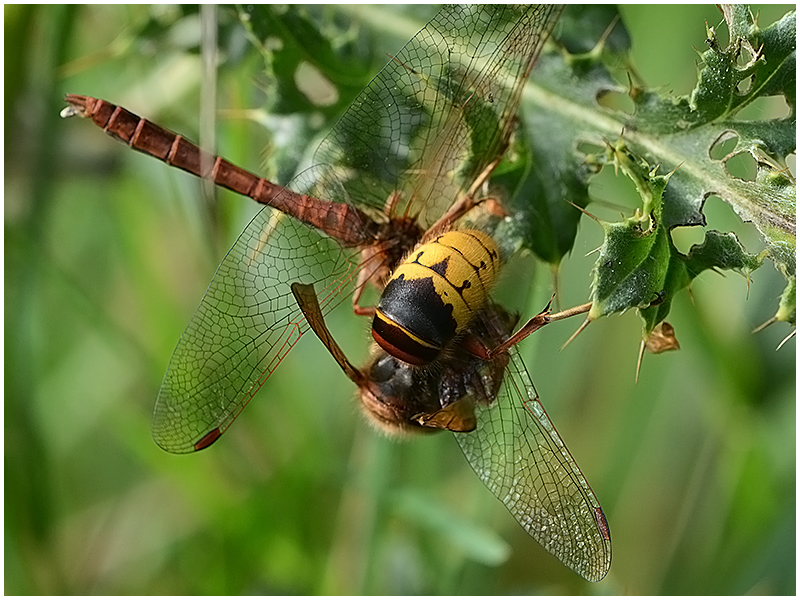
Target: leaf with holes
[
  {"x": 565, "y": 127},
  {"x": 639, "y": 265},
  {"x": 695, "y": 138}
]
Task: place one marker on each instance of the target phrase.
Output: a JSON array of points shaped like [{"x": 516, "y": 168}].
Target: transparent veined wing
[
  {"x": 246, "y": 323},
  {"x": 440, "y": 112},
  {"x": 420, "y": 134},
  {"x": 517, "y": 452}
]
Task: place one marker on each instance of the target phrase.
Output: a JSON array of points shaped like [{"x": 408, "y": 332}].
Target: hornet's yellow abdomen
[{"x": 433, "y": 295}]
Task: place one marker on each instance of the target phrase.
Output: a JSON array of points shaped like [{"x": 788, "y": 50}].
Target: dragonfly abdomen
[{"x": 342, "y": 221}]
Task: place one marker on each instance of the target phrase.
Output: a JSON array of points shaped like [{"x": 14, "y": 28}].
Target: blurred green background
[{"x": 108, "y": 252}]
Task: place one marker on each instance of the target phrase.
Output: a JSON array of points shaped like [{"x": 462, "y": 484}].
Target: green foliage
[
  {"x": 638, "y": 265},
  {"x": 288, "y": 36}
]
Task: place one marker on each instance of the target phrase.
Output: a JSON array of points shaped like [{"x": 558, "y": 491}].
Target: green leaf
[
  {"x": 634, "y": 260},
  {"x": 682, "y": 136},
  {"x": 787, "y": 310},
  {"x": 690, "y": 128},
  {"x": 559, "y": 111},
  {"x": 639, "y": 266},
  {"x": 292, "y": 37},
  {"x": 562, "y": 115},
  {"x": 315, "y": 61}
]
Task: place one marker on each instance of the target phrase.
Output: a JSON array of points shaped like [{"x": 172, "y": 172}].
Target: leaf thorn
[
  {"x": 587, "y": 213},
  {"x": 786, "y": 339},
  {"x": 593, "y": 251},
  {"x": 598, "y": 47},
  {"x": 764, "y": 325},
  {"x": 639, "y": 360},
  {"x": 583, "y": 326}
]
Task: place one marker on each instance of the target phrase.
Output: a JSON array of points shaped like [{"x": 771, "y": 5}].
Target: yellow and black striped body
[{"x": 433, "y": 295}]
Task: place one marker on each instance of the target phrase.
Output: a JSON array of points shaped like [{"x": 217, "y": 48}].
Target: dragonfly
[{"x": 396, "y": 202}]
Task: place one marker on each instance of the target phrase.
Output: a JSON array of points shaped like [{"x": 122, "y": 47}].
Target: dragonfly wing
[
  {"x": 246, "y": 323},
  {"x": 440, "y": 112},
  {"x": 419, "y": 134},
  {"x": 517, "y": 452}
]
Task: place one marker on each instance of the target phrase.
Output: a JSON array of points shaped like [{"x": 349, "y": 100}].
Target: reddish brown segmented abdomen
[{"x": 344, "y": 222}]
